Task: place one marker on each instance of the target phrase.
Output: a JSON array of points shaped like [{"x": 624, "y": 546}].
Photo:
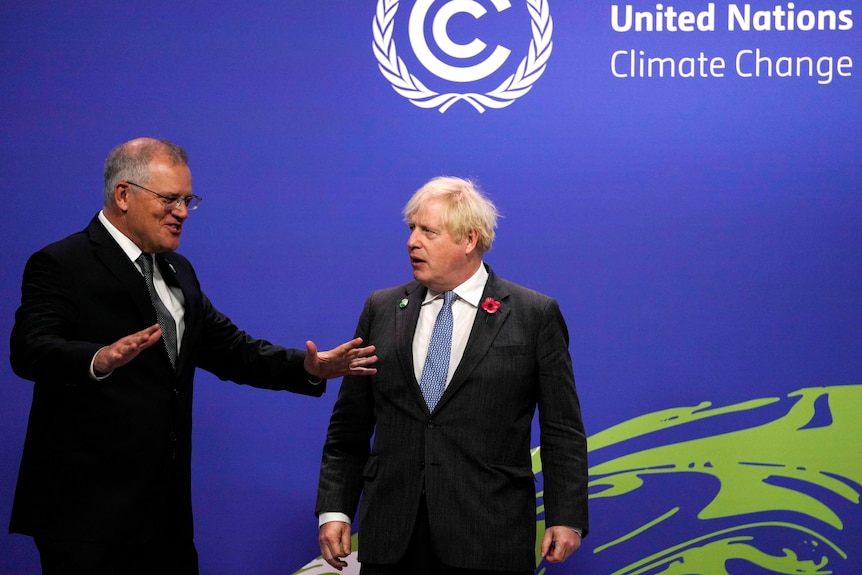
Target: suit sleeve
[
  {"x": 47, "y": 325},
  {"x": 563, "y": 439},
  {"x": 348, "y": 439},
  {"x": 232, "y": 354}
]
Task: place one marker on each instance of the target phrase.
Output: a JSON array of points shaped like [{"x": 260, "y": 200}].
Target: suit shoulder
[
  {"x": 76, "y": 241},
  {"x": 523, "y": 292},
  {"x": 79, "y": 242},
  {"x": 396, "y": 293}
]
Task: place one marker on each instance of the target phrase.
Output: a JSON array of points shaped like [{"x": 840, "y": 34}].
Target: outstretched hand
[
  {"x": 346, "y": 359},
  {"x": 126, "y": 349}
]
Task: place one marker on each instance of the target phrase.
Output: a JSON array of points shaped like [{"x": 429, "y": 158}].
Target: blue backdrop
[{"x": 698, "y": 218}]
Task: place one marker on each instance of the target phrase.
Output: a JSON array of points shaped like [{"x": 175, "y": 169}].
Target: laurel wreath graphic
[{"x": 403, "y": 82}]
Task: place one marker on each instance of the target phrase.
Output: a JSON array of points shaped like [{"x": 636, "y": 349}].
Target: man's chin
[{"x": 168, "y": 247}]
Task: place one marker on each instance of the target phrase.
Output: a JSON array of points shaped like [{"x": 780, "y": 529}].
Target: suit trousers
[
  {"x": 422, "y": 559},
  {"x": 161, "y": 556},
  {"x": 164, "y": 554}
]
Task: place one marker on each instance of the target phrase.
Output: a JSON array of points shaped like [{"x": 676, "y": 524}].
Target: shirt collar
[
  {"x": 128, "y": 246},
  {"x": 470, "y": 291}
]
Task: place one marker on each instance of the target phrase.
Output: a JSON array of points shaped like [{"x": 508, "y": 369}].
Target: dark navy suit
[
  {"x": 472, "y": 455},
  {"x": 102, "y": 458}
]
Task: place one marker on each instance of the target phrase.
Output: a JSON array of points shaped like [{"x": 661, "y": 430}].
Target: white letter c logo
[{"x": 445, "y": 43}]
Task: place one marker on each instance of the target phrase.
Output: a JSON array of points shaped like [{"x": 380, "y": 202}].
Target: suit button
[
  {"x": 421, "y": 466},
  {"x": 430, "y": 425},
  {"x": 177, "y": 392},
  {"x": 173, "y": 436}
]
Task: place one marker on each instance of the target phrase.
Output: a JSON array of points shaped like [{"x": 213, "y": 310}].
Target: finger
[
  {"x": 147, "y": 332},
  {"x": 144, "y": 334},
  {"x": 151, "y": 336},
  {"x": 555, "y": 553},
  {"x": 363, "y": 371},
  {"x": 348, "y": 347},
  {"x": 364, "y": 351},
  {"x": 363, "y": 361},
  {"x": 311, "y": 348},
  {"x": 562, "y": 545},
  {"x": 142, "y": 339},
  {"x": 138, "y": 342},
  {"x": 547, "y": 543},
  {"x": 332, "y": 560},
  {"x": 331, "y": 555},
  {"x": 345, "y": 543}
]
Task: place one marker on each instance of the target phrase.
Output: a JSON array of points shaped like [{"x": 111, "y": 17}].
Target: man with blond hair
[{"x": 437, "y": 443}]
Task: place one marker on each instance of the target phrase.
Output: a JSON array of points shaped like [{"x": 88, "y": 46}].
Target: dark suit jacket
[
  {"x": 472, "y": 455},
  {"x": 101, "y": 458}
]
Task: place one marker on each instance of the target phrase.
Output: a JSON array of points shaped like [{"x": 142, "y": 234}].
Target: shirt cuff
[
  {"x": 331, "y": 516},
  {"x": 93, "y": 374}
]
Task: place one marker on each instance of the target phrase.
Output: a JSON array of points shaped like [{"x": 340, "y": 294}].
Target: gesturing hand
[
  {"x": 346, "y": 359},
  {"x": 126, "y": 349}
]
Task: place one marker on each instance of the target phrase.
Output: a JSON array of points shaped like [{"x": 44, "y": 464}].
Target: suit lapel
[
  {"x": 406, "y": 318},
  {"x": 118, "y": 263},
  {"x": 485, "y": 329}
]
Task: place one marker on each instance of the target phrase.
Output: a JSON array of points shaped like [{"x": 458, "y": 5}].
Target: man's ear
[
  {"x": 121, "y": 196},
  {"x": 470, "y": 241}
]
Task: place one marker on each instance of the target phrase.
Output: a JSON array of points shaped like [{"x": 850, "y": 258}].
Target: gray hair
[
  {"x": 465, "y": 208},
  {"x": 131, "y": 162}
]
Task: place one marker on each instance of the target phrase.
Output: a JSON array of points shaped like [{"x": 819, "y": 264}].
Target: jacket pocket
[
  {"x": 370, "y": 470},
  {"x": 515, "y": 472}
]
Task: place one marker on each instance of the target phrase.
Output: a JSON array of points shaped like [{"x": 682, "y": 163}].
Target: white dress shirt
[{"x": 172, "y": 297}]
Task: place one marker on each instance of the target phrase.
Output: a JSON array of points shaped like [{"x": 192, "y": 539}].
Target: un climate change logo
[{"x": 408, "y": 85}]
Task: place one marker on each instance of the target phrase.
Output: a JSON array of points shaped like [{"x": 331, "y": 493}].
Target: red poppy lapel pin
[{"x": 490, "y": 305}]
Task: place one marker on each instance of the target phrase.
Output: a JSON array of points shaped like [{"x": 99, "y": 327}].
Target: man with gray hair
[
  {"x": 436, "y": 445},
  {"x": 111, "y": 328}
]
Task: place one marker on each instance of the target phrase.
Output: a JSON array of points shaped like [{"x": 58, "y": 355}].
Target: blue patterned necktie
[
  {"x": 436, "y": 368},
  {"x": 166, "y": 320}
]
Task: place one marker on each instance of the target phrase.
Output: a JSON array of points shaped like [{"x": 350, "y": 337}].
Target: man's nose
[{"x": 413, "y": 240}]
